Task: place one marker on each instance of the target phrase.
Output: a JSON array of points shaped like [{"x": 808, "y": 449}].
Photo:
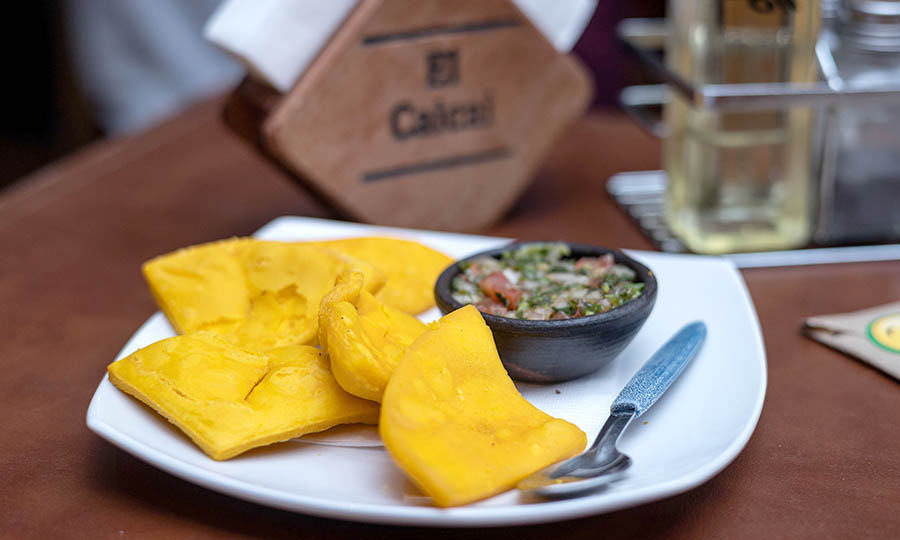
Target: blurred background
[{"x": 82, "y": 70}]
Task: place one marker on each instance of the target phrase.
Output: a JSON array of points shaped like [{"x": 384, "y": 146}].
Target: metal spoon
[{"x": 602, "y": 462}]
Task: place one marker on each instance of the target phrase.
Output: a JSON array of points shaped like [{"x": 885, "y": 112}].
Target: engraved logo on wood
[
  {"x": 442, "y": 68},
  {"x": 408, "y": 119}
]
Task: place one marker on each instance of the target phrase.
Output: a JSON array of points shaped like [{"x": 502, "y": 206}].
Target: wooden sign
[{"x": 423, "y": 113}]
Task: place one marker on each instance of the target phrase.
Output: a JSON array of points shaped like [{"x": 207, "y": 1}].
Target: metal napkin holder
[{"x": 643, "y": 38}]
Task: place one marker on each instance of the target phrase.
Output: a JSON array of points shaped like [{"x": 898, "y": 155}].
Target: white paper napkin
[
  {"x": 561, "y": 21},
  {"x": 278, "y": 39}
]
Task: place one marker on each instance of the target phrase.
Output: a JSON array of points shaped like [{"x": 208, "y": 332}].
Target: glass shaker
[
  {"x": 740, "y": 181},
  {"x": 860, "y": 189}
]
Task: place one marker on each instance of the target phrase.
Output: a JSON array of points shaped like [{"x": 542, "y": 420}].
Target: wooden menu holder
[{"x": 420, "y": 113}]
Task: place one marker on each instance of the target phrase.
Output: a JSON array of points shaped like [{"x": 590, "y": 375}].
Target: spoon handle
[{"x": 655, "y": 377}]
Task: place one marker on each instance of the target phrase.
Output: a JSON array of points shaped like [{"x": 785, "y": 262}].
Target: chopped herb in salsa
[{"x": 542, "y": 282}]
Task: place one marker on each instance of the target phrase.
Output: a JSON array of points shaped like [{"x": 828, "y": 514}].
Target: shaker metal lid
[{"x": 872, "y": 25}]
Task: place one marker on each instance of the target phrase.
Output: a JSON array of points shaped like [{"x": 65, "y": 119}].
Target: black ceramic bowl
[{"x": 560, "y": 350}]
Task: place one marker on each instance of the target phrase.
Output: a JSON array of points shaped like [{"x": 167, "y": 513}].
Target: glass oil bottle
[{"x": 740, "y": 181}]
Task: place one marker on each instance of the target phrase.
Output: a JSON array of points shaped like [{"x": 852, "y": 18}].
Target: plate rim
[{"x": 429, "y": 516}]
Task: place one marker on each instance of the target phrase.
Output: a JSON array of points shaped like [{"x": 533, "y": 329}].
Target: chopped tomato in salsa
[
  {"x": 499, "y": 288},
  {"x": 491, "y": 307}
]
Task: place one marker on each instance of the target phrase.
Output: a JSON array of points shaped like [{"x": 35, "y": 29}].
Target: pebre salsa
[{"x": 543, "y": 282}]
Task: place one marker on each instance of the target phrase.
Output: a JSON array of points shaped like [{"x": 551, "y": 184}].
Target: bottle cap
[{"x": 872, "y": 25}]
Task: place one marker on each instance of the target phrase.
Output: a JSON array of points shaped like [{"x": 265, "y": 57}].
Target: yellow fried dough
[
  {"x": 363, "y": 337},
  {"x": 454, "y": 422},
  {"x": 259, "y": 294},
  {"x": 229, "y": 400},
  {"x": 411, "y": 269},
  {"x": 271, "y": 266},
  {"x": 307, "y": 271},
  {"x": 201, "y": 284},
  {"x": 275, "y": 319},
  {"x": 346, "y": 289}
]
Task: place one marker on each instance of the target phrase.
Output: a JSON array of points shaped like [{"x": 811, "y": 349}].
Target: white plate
[{"x": 691, "y": 434}]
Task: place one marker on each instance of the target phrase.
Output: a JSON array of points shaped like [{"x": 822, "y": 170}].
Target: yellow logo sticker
[{"x": 885, "y": 332}]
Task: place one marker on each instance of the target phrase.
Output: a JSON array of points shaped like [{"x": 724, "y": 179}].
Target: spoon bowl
[{"x": 601, "y": 464}]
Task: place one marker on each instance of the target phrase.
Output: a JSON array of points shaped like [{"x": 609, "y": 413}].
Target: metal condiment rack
[
  {"x": 641, "y": 194},
  {"x": 643, "y": 36}
]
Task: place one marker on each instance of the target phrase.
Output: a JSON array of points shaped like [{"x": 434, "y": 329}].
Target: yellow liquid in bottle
[{"x": 739, "y": 181}]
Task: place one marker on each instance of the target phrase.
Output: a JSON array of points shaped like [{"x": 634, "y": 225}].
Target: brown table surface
[{"x": 824, "y": 461}]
